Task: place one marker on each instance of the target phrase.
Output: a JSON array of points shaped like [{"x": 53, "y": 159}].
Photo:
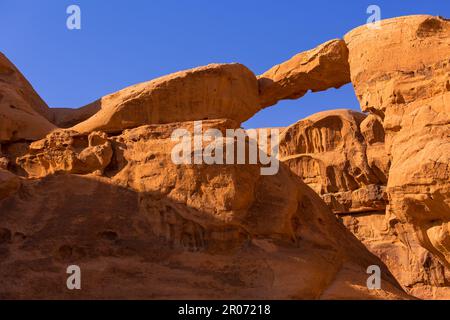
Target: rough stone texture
[
  {"x": 150, "y": 229},
  {"x": 67, "y": 117},
  {"x": 215, "y": 91},
  {"x": 329, "y": 152},
  {"x": 67, "y": 151},
  {"x": 318, "y": 69},
  {"x": 9, "y": 183},
  {"x": 408, "y": 87},
  {"x": 23, "y": 114}
]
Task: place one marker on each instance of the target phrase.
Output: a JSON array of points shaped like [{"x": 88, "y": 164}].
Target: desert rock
[
  {"x": 407, "y": 86},
  {"x": 216, "y": 91},
  {"x": 9, "y": 183},
  {"x": 328, "y": 151},
  {"x": 23, "y": 114},
  {"x": 318, "y": 69},
  {"x": 162, "y": 230},
  {"x": 67, "y": 151}
]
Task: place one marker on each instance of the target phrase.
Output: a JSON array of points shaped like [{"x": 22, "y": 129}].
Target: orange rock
[
  {"x": 328, "y": 151},
  {"x": 318, "y": 69},
  {"x": 23, "y": 114},
  {"x": 151, "y": 229},
  {"x": 9, "y": 183},
  {"x": 211, "y": 92},
  {"x": 66, "y": 117},
  {"x": 401, "y": 74},
  {"x": 67, "y": 151}
]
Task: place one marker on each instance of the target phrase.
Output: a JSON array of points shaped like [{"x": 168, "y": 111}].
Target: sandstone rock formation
[
  {"x": 67, "y": 117},
  {"x": 215, "y": 91},
  {"x": 318, "y": 69},
  {"x": 408, "y": 87},
  {"x": 148, "y": 228},
  {"x": 105, "y": 193},
  {"x": 9, "y": 183},
  {"x": 67, "y": 151},
  {"x": 23, "y": 114},
  {"x": 329, "y": 151}
]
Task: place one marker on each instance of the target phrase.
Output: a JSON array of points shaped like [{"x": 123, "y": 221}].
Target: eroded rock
[
  {"x": 23, "y": 114},
  {"x": 181, "y": 231},
  {"x": 329, "y": 152},
  {"x": 67, "y": 151},
  {"x": 318, "y": 69},
  {"x": 407, "y": 87}
]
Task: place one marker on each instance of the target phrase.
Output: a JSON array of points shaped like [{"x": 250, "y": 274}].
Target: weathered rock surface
[
  {"x": 216, "y": 91},
  {"x": 67, "y": 151},
  {"x": 318, "y": 69},
  {"x": 408, "y": 87},
  {"x": 23, "y": 114},
  {"x": 67, "y": 117},
  {"x": 151, "y": 229},
  {"x": 330, "y": 152},
  {"x": 9, "y": 183}
]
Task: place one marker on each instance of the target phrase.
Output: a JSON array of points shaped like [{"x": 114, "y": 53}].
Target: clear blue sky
[{"x": 126, "y": 42}]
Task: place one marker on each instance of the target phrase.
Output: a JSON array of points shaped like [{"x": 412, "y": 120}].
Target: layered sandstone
[
  {"x": 341, "y": 162},
  {"x": 318, "y": 69},
  {"x": 147, "y": 228},
  {"x": 216, "y": 91},
  {"x": 23, "y": 114}
]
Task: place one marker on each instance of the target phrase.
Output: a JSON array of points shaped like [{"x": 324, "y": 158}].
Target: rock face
[
  {"x": 106, "y": 195},
  {"x": 9, "y": 183},
  {"x": 215, "y": 91},
  {"x": 66, "y": 117},
  {"x": 23, "y": 114},
  {"x": 158, "y": 230},
  {"x": 340, "y": 161},
  {"x": 318, "y": 69},
  {"x": 408, "y": 87}
]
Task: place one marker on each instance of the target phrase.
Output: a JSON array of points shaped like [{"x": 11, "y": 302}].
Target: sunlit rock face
[
  {"x": 344, "y": 164},
  {"x": 401, "y": 74},
  {"x": 318, "y": 69},
  {"x": 106, "y": 194}
]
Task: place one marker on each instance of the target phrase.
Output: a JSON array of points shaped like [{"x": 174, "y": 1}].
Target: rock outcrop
[
  {"x": 216, "y": 91},
  {"x": 105, "y": 193},
  {"x": 67, "y": 117},
  {"x": 330, "y": 152},
  {"x": 318, "y": 69},
  {"x": 23, "y": 114},
  {"x": 148, "y": 228},
  {"x": 408, "y": 87},
  {"x": 67, "y": 151}
]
